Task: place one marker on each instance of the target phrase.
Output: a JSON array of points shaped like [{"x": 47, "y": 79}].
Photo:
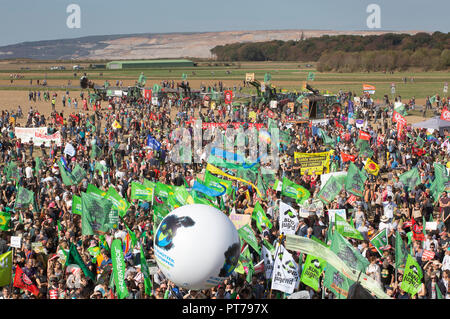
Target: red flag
[
  {"x": 380, "y": 140},
  {"x": 400, "y": 127},
  {"x": 59, "y": 119},
  {"x": 445, "y": 115},
  {"x": 337, "y": 124},
  {"x": 417, "y": 230},
  {"x": 148, "y": 94},
  {"x": 398, "y": 118},
  {"x": 348, "y": 157},
  {"x": 418, "y": 151},
  {"x": 364, "y": 135},
  {"x": 228, "y": 96},
  {"x": 22, "y": 281},
  {"x": 153, "y": 116}
]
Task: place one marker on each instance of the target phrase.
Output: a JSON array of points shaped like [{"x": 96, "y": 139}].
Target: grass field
[{"x": 285, "y": 75}]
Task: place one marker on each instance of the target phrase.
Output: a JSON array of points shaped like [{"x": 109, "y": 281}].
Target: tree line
[{"x": 349, "y": 53}]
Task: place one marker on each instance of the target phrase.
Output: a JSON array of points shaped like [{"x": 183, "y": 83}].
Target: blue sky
[{"x": 34, "y": 20}]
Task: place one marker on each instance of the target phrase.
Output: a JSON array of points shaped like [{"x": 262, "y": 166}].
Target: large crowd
[{"x": 48, "y": 228}]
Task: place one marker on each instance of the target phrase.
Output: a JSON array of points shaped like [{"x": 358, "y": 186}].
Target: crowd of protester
[{"x": 51, "y": 227}]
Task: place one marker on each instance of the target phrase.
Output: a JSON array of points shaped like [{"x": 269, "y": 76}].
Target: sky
[{"x": 36, "y": 20}]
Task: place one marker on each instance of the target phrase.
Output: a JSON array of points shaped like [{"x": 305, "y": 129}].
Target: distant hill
[{"x": 156, "y": 45}]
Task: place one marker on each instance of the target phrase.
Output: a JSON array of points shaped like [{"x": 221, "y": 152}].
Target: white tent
[{"x": 434, "y": 123}]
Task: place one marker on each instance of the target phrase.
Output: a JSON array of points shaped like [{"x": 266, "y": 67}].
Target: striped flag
[{"x": 427, "y": 255}]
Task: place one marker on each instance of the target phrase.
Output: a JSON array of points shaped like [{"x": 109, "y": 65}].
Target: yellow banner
[
  {"x": 218, "y": 171},
  {"x": 318, "y": 162}
]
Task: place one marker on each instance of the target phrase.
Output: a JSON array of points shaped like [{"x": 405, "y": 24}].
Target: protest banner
[
  {"x": 38, "y": 135},
  {"x": 317, "y": 162}
]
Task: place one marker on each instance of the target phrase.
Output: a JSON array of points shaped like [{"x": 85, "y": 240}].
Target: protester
[{"x": 125, "y": 143}]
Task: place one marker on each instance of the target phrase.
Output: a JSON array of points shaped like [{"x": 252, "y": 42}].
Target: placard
[
  {"x": 16, "y": 241},
  {"x": 240, "y": 220}
]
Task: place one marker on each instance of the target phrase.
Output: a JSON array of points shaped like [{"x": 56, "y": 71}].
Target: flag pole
[{"x": 12, "y": 273}]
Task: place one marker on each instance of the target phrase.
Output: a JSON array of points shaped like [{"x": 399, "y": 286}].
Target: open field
[{"x": 285, "y": 75}]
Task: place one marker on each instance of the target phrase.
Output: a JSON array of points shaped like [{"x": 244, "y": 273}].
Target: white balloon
[{"x": 197, "y": 246}]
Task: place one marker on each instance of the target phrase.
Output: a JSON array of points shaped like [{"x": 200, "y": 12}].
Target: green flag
[
  {"x": 118, "y": 202},
  {"x": 119, "y": 268},
  {"x": 182, "y": 195},
  {"x": 354, "y": 182},
  {"x": 420, "y": 142},
  {"x": 311, "y": 76},
  {"x": 5, "y": 218},
  {"x": 5, "y": 268},
  {"x": 261, "y": 218},
  {"x": 351, "y": 256},
  {"x": 292, "y": 190},
  {"x": 412, "y": 277},
  {"x": 401, "y": 253},
  {"x": 145, "y": 271},
  {"x": 267, "y": 77},
  {"x": 65, "y": 175},
  {"x": 380, "y": 240},
  {"x": 327, "y": 140},
  {"x": 74, "y": 258},
  {"x": 345, "y": 229},
  {"x": 12, "y": 172},
  {"x": 330, "y": 190},
  {"x": 100, "y": 167},
  {"x": 95, "y": 191},
  {"x": 90, "y": 126},
  {"x": 410, "y": 179},
  {"x": 334, "y": 280},
  {"x": 246, "y": 233},
  {"x": 312, "y": 270},
  {"x": 24, "y": 198},
  {"x": 139, "y": 191},
  {"x": 76, "y": 205},
  {"x": 162, "y": 192},
  {"x": 95, "y": 216},
  {"x": 214, "y": 182},
  {"x": 39, "y": 165},
  {"x": 95, "y": 151},
  {"x": 78, "y": 174},
  {"x": 285, "y": 138},
  {"x": 362, "y": 145}
]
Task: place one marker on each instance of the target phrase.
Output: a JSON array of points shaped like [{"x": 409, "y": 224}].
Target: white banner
[
  {"x": 69, "y": 150},
  {"x": 268, "y": 261},
  {"x": 285, "y": 274},
  {"x": 38, "y": 135},
  {"x": 288, "y": 219}
]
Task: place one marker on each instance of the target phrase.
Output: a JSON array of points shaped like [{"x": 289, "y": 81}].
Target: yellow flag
[
  {"x": 218, "y": 171},
  {"x": 116, "y": 124},
  {"x": 371, "y": 167}
]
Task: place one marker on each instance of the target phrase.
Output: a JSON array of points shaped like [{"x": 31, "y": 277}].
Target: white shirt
[
  {"x": 388, "y": 209},
  {"x": 383, "y": 225},
  {"x": 446, "y": 263},
  {"x": 29, "y": 172}
]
